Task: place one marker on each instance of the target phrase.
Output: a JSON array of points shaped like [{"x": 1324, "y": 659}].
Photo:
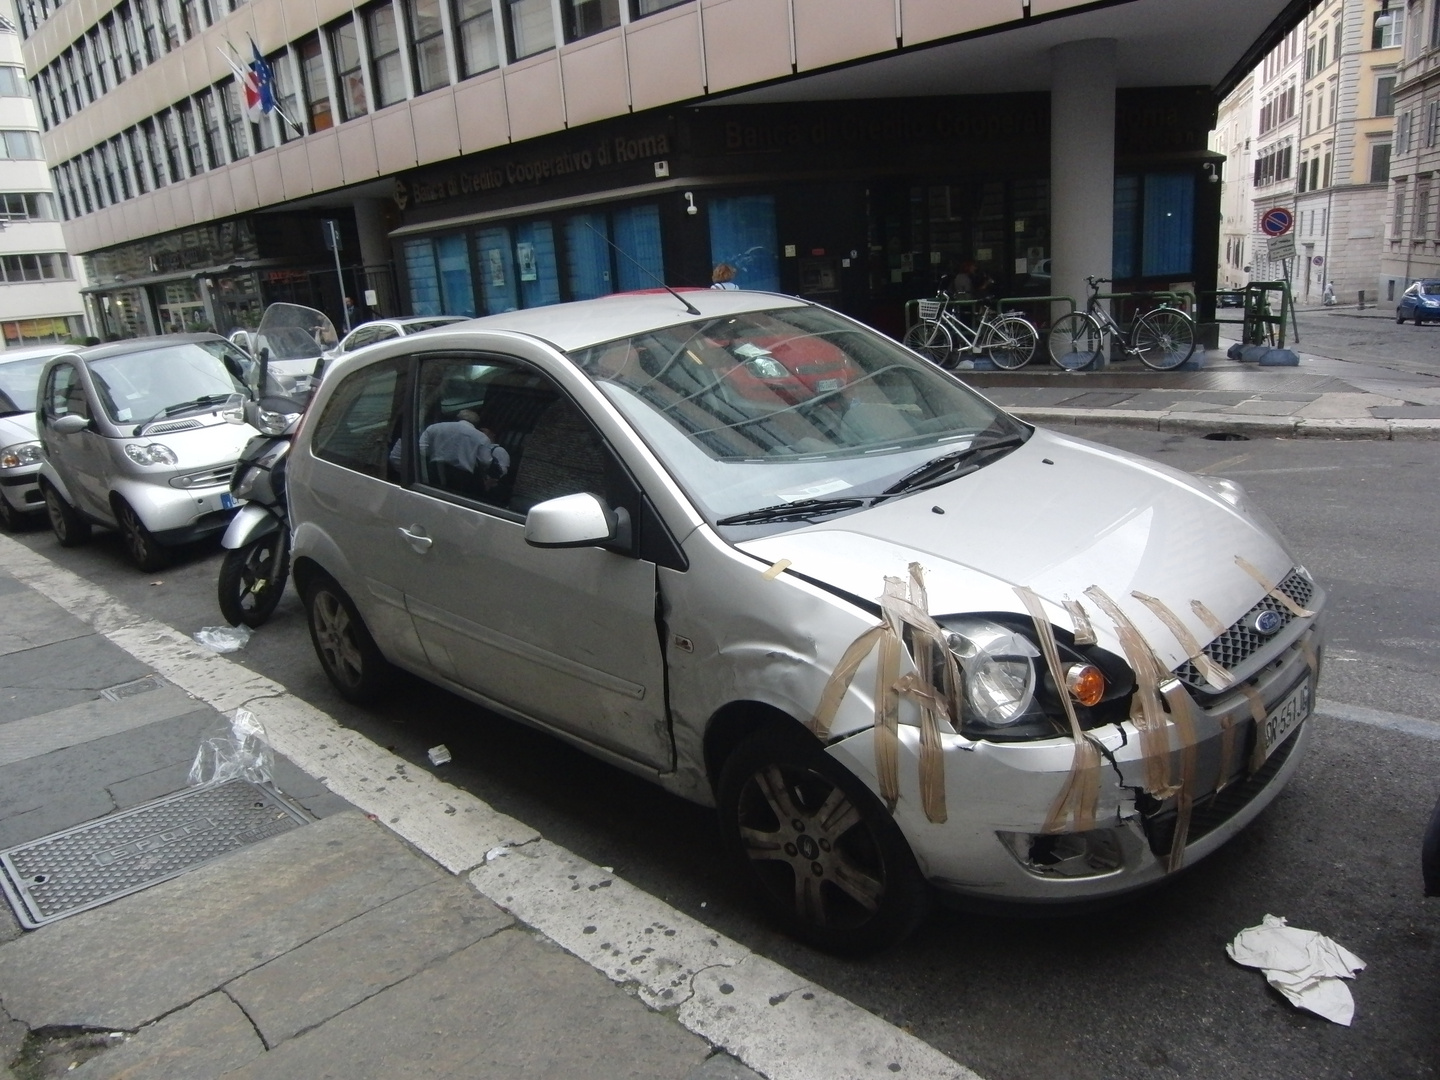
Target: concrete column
[
  {"x": 372, "y": 225},
  {"x": 1082, "y": 164}
]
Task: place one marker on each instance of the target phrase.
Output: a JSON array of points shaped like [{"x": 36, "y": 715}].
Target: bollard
[{"x": 1362, "y": 299}]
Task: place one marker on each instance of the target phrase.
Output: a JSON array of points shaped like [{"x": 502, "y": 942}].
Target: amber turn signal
[{"x": 1086, "y": 683}]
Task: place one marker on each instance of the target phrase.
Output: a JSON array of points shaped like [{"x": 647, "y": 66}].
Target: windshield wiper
[
  {"x": 803, "y": 510},
  {"x": 951, "y": 466},
  {"x": 185, "y": 406}
]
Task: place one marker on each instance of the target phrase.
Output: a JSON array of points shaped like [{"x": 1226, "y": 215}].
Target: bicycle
[
  {"x": 1163, "y": 338},
  {"x": 1007, "y": 340}
]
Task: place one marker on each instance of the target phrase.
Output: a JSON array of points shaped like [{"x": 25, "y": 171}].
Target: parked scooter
[{"x": 257, "y": 543}]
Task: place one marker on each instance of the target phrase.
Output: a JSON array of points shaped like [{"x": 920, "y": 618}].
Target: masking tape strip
[
  {"x": 1206, "y": 616},
  {"x": 1273, "y": 589},
  {"x": 926, "y": 639},
  {"x": 1084, "y": 632},
  {"x": 1182, "y": 712},
  {"x": 1257, "y": 711},
  {"x": 839, "y": 681},
  {"x": 1146, "y": 711},
  {"x": 887, "y": 714},
  {"x": 1212, "y": 671},
  {"x": 1227, "y": 751},
  {"x": 776, "y": 570},
  {"x": 1080, "y": 794}
]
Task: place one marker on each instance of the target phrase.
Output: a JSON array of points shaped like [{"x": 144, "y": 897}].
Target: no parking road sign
[{"x": 1277, "y": 221}]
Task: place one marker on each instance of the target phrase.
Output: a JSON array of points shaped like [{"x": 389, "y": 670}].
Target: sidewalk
[{"x": 1318, "y": 399}]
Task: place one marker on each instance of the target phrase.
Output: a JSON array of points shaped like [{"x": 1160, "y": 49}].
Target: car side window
[
  {"x": 385, "y": 333},
  {"x": 498, "y": 432},
  {"x": 65, "y": 394},
  {"x": 360, "y": 425}
]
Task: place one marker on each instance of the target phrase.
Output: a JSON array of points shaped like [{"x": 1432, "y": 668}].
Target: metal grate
[
  {"x": 130, "y": 689},
  {"x": 103, "y": 860},
  {"x": 1240, "y": 642},
  {"x": 167, "y": 426},
  {"x": 205, "y": 478}
]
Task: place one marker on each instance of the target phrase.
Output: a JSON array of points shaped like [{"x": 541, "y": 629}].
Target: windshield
[
  {"x": 19, "y": 385},
  {"x": 136, "y": 386},
  {"x": 778, "y": 407}
]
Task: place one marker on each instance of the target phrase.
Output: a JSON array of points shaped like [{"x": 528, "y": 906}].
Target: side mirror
[
  {"x": 579, "y": 520},
  {"x": 70, "y": 424}
]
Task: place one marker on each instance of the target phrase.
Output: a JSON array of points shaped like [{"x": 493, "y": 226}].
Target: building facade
[
  {"x": 1412, "y": 218},
  {"x": 481, "y": 155},
  {"x": 39, "y": 292},
  {"x": 1234, "y": 133}
]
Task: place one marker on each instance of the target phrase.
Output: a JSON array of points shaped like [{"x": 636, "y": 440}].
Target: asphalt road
[
  {"x": 1143, "y": 989},
  {"x": 1407, "y": 357}
]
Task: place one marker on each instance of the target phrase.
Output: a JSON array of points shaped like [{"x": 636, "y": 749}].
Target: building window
[
  {"x": 1380, "y": 163},
  {"x": 42, "y": 331},
  {"x": 210, "y": 126},
  {"x": 113, "y": 50},
  {"x": 1422, "y": 207},
  {"x": 131, "y": 33},
  {"x": 287, "y": 101},
  {"x": 115, "y": 160},
  {"x": 12, "y": 81},
  {"x": 345, "y": 47},
  {"x": 427, "y": 45},
  {"x": 28, "y": 206},
  {"x": 1397, "y": 227},
  {"x": 49, "y": 266},
  {"x": 531, "y": 28},
  {"x": 170, "y": 133},
  {"x": 102, "y": 60},
  {"x": 317, "y": 87},
  {"x": 1385, "y": 95},
  {"x": 158, "y": 176},
  {"x": 190, "y": 136},
  {"x": 1402, "y": 133},
  {"x": 233, "y": 113},
  {"x": 650, "y": 7},
  {"x": 20, "y": 146},
  {"x": 149, "y": 31},
  {"x": 586, "y": 17},
  {"x": 475, "y": 26},
  {"x": 1389, "y": 29},
  {"x": 107, "y": 173},
  {"x": 386, "y": 72},
  {"x": 137, "y": 160},
  {"x": 1315, "y": 173}
]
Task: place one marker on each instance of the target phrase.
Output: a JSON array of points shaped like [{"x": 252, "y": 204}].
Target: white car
[
  {"x": 775, "y": 562},
  {"x": 20, "y": 498},
  {"x": 377, "y": 330}
]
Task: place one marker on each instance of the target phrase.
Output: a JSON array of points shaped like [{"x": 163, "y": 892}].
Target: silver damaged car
[{"x": 775, "y": 562}]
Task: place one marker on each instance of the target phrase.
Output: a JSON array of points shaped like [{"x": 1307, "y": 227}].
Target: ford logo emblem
[{"x": 1266, "y": 622}]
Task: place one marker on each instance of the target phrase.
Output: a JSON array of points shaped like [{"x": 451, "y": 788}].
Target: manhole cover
[
  {"x": 84, "y": 867},
  {"x": 130, "y": 689}
]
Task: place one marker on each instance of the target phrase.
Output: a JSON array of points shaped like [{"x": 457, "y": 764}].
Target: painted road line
[
  {"x": 770, "y": 1018},
  {"x": 1358, "y": 714}
]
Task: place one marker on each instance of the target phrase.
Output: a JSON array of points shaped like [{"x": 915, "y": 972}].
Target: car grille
[
  {"x": 165, "y": 427},
  {"x": 1240, "y": 642},
  {"x": 204, "y": 478},
  {"x": 1215, "y": 810}
]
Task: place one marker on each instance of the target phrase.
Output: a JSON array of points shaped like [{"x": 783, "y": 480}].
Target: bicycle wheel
[
  {"x": 1075, "y": 341},
  {"x": 1163, "y": 338},
  {"x": 1010, "y": 342},
  {"x": 931, "y": 340}
]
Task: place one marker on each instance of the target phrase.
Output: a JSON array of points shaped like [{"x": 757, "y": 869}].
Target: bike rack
[{"x": 1003, "y": 305}]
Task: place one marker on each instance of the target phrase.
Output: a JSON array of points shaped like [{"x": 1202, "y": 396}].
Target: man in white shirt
[{"x": 465, "y": 445}]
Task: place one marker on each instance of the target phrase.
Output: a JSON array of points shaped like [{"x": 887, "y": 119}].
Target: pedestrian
[
  {"x": 723, "y": 277},
  {"x": 1329, "y": 296},
  {"x": 963, "y": 287}
]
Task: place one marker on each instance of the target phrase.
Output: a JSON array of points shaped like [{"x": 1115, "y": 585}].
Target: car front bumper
[{"x": 21, "y": 489}]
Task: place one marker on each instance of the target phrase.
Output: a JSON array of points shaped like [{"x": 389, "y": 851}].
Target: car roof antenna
[{"x": 691, "y": 308}]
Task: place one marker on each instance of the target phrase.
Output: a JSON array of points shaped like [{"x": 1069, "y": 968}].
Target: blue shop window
[
  {"x": 455, "y": 284},
  {"x": 498, "y": 286},
  {"x": 742, "y": 233},
  {"x": 1169, "y": 224},
  {"x": 587, "y": 270},
  {"x": 1127, "y": 203},
  {"x": 424, "y": 280},
  {"x": 637, "y": 234},
  {"x": 535, "y": 259}
]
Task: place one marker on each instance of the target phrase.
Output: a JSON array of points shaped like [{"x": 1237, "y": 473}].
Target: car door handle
[{"x": 415, "y": 536}]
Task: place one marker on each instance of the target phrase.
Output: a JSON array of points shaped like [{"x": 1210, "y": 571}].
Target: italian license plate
[
  {"x": 227, "y": 501},
  {"x": 1286, "y": 717},
  {"x": 822, "y": 385}
]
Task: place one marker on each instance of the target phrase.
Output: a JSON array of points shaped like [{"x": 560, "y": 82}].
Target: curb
[{"x": 1281, "y": 427}]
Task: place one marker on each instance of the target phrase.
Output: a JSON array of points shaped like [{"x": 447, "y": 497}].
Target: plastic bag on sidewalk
[
  {"x": 244, "y": 753},
  {"x": 223, "y": 639}
]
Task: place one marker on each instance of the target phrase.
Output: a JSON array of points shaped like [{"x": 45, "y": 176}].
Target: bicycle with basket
[
  {"x": 1163, "y": 337},
  {"x": 1007, "y": 340}
]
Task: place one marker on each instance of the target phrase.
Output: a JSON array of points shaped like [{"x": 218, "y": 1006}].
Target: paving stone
[
  {"x": 50, "y": 677},
  {"x": 126, "y": 964},
  {"x": 350, "y": 963},
  {"x": 199, "y": 1042},
  {"x": 31, "y": 620},
  {"x": 1257, "y": 407},
  {"x": 507, "y": 1006},
  {"x": 87, "y": 720},
  {"x": 12, "y": 1037},
  {"x": 10, "y": 585},
  {"x": 1406, "y": 412},
  {"x": 723, "y": 1067}
]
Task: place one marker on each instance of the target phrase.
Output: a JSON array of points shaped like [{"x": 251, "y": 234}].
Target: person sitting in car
[{"x": 464, "y": 444}]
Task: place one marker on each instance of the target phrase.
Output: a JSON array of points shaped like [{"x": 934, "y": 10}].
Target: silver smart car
[
  {"x": 777, "y": 563},
  {"x": 135, "y": 438},
  {"x": 20, "y": 499}
]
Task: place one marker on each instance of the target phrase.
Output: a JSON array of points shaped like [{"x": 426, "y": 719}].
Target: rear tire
[
  {"x": 69, "y": 527},
  {"x": 140, "y": 543},
  {"x": 349, "y": 655},
  {"x": 1010, "y": 343},
  {"x": 252, "y": 579},
  {"x": 1075, "y": 340},
  {"x": 931, "y": 340},
  {"x": 1163, "y": 339},
  {"x": 825, "y": 857}
]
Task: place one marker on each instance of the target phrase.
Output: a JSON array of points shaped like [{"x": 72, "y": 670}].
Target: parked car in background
[
  {"x": 377, "y": 330},
  {"x": 902, "y": 640},
  {"x": 1420, "y": 302},
  {"x": 20, "y": 498},
  {"x": 134, "y": 437}
]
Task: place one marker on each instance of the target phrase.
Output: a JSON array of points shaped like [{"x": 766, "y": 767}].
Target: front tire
[
  {"x": 252, "y": 579},
  {"x": 140, "y": 543},
  {"x": 69, "y": 527},
  {"x": 1075, "y": 341},
  {"x": 931, "y": 340},
  {"x": 825, "y": 857},
  {"x": 1011, "y": 342},
  {"x": 347, "y": 652},
  {"x": 1164, "y": 339},
  {"x": 11, "y": 520}
]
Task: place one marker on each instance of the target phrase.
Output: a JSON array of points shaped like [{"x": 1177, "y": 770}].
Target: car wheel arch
[{"x": 732, "y": 724}]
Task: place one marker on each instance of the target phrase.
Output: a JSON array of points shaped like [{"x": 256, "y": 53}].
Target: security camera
[{"x": 690, "y": 207}]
